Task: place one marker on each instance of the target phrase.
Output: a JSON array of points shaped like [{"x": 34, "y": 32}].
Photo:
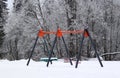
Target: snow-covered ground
[{"x": 59, "y": 69}]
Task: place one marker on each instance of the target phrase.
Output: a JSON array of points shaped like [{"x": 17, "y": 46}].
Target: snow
[{"x": 59, "y": 69}]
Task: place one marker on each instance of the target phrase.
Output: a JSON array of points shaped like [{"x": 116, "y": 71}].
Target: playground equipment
[
  {"x": 46, "y": 59},
  {"x": 59, "y": 34}
]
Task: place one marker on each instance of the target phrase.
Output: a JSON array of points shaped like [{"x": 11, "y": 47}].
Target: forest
[{"x": 19, "y": 28}]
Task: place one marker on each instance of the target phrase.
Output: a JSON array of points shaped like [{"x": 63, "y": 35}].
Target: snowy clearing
[{"x": 59, "y": 69}]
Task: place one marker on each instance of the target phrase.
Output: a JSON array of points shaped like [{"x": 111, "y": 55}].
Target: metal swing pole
[
  {"x": 45, "y": 43},
  {"x": 50, "y": 55},
  {"x": 67, "y": 50},
  {"x": 79, "y": 52},
  {"x": 32, "y": 50},
  {"x": 94, "y": 48}
]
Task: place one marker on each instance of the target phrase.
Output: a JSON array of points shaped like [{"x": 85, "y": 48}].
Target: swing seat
[{"x": 46, "y": 59}]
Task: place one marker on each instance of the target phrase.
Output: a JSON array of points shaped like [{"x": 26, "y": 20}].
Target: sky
[
  {"x": 10, "y": 4},
  {"x": 117, "y": 1}
]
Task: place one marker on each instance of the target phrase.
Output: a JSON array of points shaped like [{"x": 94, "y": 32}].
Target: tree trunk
[
  {"x": 117, "y": 35},
  {"x": 71, "y": 17},
  {"x": 111, "y": 30},
  {"x": 105, "y": 44}
]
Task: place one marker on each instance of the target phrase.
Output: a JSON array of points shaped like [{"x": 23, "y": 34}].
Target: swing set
[{"x": 59, "y": 34}]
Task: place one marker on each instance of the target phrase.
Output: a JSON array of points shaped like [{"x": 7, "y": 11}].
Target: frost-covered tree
[
  {"x": 21, "y": 30},
  {"x": 3, "y": 13},
  {"x": 3, "y": 17},
  {"x": 28, "y": 16}
]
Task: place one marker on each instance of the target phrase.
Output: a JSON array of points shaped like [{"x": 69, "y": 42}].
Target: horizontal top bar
[
  {"x": 59, "y": 32},
  {"x": 64, "y": 32}
]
